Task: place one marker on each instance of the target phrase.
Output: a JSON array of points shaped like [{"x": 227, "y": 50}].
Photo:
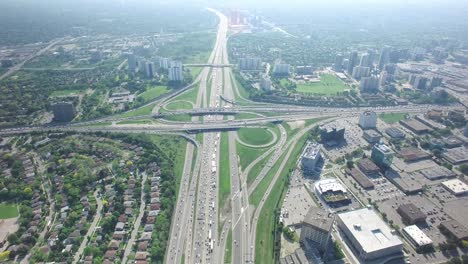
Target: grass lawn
[
  {"x": 242, "y": 91},
  {"x": 174, "y": 147},
  {"x": 65, "y": 92},
  {"x": 177, "y": 105},
  {"x": 145, "y": 110},
  {"x": 224, "y": 170},
  {"x": 266, "y": 225},
  {"x": 255, "y": 136},
  {"x": 245, "y": 116},
  {"x": 228, "y": 253},
  {"x": 136, "y": 122},
  {"x": 179, "y": 118},
  {"x": 329, "y": 85},
  {"x": 189, "y": 95},
  {"x": 153, "y": 92},
  {"x": 195, "y": 71},
  {"x": 253, "y": 173},
  {"x": 391, "y": 118},
  {"x": 8, "y": 211},
  {"x": 248, "y": 154},
  {"x": 201, "y": 57}
]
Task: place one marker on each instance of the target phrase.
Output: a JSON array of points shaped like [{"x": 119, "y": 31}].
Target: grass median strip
[{"x": 266, "y": 225}]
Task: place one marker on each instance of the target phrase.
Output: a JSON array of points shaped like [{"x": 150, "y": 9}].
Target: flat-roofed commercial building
[
  {"x": 417, "y": 237},
  {"x": 454, "y": 230},
  {"x": 360, "y": 178},
  {"x": 395, "y": 133},
  {"x": 411, "y": 214},
  {"x": 317, "y": 226},
  {"x": 412, "y": 154},
  {"x": 437, "y": 172},
  {"x": 368, "y": 167},
  {"x": 368, "y": 234},
  {"x": 415, "y": 126},
  {"x": 456, "y": 187},
  {"x": 371, "y": 136},
  {"x": 456, "y": 155}
]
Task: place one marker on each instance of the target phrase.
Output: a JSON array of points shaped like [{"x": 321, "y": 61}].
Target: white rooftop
[
  {"x": 369, "y": 230},
  {"x": 417, "y": 235},
  {"x": 456, "y": 186},
  {"x": 330, "y": 185}
]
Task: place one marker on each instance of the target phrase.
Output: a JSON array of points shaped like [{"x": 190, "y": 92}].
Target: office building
[
  {"x": 382, "y": 155},
  {"x": 456, "y": 187},
  {"x": 435, "y": 82},
  {"x": 352, "y": 61},
  {"x": 383, "y": 79},
  {"x": 338, "y": 65},
  {"x": 310, "y": 157},
  {"x": 419, "y": 82},
  {"x": 317, "y": 226},
  {"x": 164, "y": 63},
  {"x": 141, "y": 65},
  {"x": 369, "y": 235},
  {"x": 265, "y": 83},
  {"x": 360, "y": 72},
  {"x": 250, "y": 64},
  {"x": 132, "y": 63},
  {"x": 454, "y": 230},
  {"x": 417, "y": 237},
  {"x": 369, "y": 84},
  {"x": 281, "y": 69},
  {"x": 411, "y": 214},
  {"x": 368, "y": 119},
  {"x": 366, "y": 60},
  {"x": 390, "y": 68},
  {"x": 63, "y": 111},
  {"x": 149, "y": 69},
  {"x": 332, "y": 135},
  {"x": 384, "y": 57},
  {"x": 176, "y": 71}
]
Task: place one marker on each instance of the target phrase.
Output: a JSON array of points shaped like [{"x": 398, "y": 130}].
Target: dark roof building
[
  {"x": 63, "y": 111},
  {"x": 412, "y": 154},
  {"x": 454, "y": 229},
  {"x": 360, "y": 178},
  {"x": 316, "y": 226},
  {"x": 395, "y": 133},
  {"x": 411, "y": 214},
  {"x": 332, "y": 135},
  {"x": 368, "y": 167},
  {"x": 415, "y": 126}
]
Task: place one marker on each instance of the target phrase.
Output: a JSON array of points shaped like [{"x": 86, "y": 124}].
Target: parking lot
[
  {"x": 297, "y": 201},
  {"x": 353, "y": 138}
]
